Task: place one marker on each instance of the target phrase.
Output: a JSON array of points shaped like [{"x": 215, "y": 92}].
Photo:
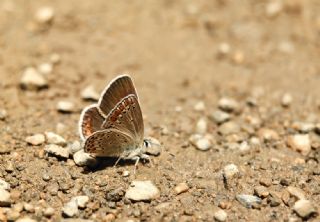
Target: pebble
[
  {"x": 261, "y": 191},
  {"x": 248, "y": 200},
  {"x": 5, "y": 199},
  {"x": 142, "y": 191},
  {"x": 65, "y": 106},
  {"x": 286, "y": 100},
  {"x": 154, "y": 146},
  {"x": 81, "y": 201},
  {"x": 25, "y": 219},
  {"x": 4, "y": 185},
  {"x": 28, "y": 207},
  {"x": 49, "y": 211},
  {"x": 181, "y": 188},
  {"x": 303, "y": 127},
  {"x": 89, "y": 93},
  {"x": 32, "y": 79},
  {"x": 126, "y": 173},
  {"x": 56, "y": 139},
  {"x": 84, "y": 159},
  {"x": 74, "y": 147},
  {"x": 224, "y": 49},
  {"x": 273, "y": 8},
  {"x": 201, "y": 126},
  {"x": 220, "y": 215},
  {"x": 296, "y": 192},
  {"x": 57, "y": 151},
  {"x": 229, "y": 128},
  {"x": 5, "y": 149},
  {"x": 36, "y": 139},
  {"x": 199, "y": 106},
  {"x": 220, "y": 116},
  {"x": 228, "y": 104},
  {"x": 55, "y": 58},
  {"x": 3, "y": 114},
  {"x": 230, "y": 170},
  {"x": 202, "y": 143},
  {"x": 45, "y": 68},
  {"x": 44, "y": 15},
  {"x": 304, "y": 208},
  {"x": 70, "y": 209},
  {"x": 300, "y": 143},
  {"x": 268, "y": 135},
  {"x": 244, "y": 147}
]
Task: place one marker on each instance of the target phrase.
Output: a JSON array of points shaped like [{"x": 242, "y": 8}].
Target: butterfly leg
[
  {"x": 137, "y": 159},
  {"x": 117, "y": 161},
  {"x": 147, "y": 157}
]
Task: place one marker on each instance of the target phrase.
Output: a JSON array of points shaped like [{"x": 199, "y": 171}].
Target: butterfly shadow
[{"x": 107, "y": 162}]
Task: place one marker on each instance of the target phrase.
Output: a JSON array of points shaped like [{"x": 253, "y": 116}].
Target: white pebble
[
  {"x": 224, "y": 49},
  {"x": 296, "y": 192},
  {"x": 220, "y": 215},
  {"x": 300, "y": 143},
  {"x": 57, "y": 150},
  {"x": 53, "y": 138},
  {"x": 74, "y": 147},
  {"x": 65, "y": 106},
  {"x": 201, "y": 142},
  {"x": 4, "y": 185},
  {"x": 201, "y": 126},
  {"x": 70, "y": 209},
  {"x": 126, "y": 173},
  {"x": 84, "y": 159},
  {"x": 44, "y": 15},
  {"x": 55, "y": 58},
  {"x": 89, "y": 93},
  {"x": 3, "y": 114},
  {"x": 228, "y": 104},
  {"x": 142, "y": 191},
  {"x": 32, "y": 79},
  {"x": 81, "y": 201},
  {"x": 220, "y": 116},
  {"x": 286, "y": 100},
  {"x": 199, "y": 106},
  {"x": 25, "y": 219},
  {"x": 45, "y": 68},
  {"x": 36, "y": 139},
  {"x": 304, "y": 208},
  {"x": 181, "y": 188},
  {"x": 230, "y": 170},
  {"x": 5, "y": 199},
  {"x": 273, "y": 8}
]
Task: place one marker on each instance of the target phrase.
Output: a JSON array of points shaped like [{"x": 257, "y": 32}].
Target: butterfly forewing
[
  {"x": 127, "y": 117},
  {"x": 90, "y": 121},
  {"x": 109, "y": 142},
  {"x": 115, "y": 92}
]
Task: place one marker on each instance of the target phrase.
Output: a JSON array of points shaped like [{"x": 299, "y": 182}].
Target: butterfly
[{"x": 114, "y": 126}]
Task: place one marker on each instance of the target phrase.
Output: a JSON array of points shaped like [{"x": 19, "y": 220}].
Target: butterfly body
[{"x": 114, "y": 127}]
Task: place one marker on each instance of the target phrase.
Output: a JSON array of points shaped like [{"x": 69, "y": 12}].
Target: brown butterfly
[{"x": 114, "y": 127}]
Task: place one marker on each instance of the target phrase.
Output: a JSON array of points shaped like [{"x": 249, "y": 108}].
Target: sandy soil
[{"x": 179, "y": 53}]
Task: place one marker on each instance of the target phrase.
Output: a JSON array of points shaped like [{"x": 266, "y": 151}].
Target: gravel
[
  {"x": 300, "y": 143},
  {"x": 142, "y": 191},
  {"x": 36, "y": 139},
  {"x": 248, "y": 201},
  {"x": 57, "y": 151},
  {"x": 32, "y": 80},
  {"x": 230, "y": 170}
]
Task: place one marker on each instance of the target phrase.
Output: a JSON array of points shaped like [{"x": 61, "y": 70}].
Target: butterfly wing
[
  {"x": 109, "y": 142},
  {"x": 90, "y": 121},
  {"x": 127, "y": 117},
  {"x": 118, "y": 88}
]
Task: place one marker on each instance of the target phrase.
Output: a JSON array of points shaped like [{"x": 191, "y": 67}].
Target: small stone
[
  {"x": 220, "y": 116},
  {"x": 296, "y": 192},
  {"x": 304, "y": 208},
  {"x": 89, "y": 93},
  {"x": 48, "y": 212},
  {"x": 45, "y": 68},
  {"x": 115, "y": 195},
  {"x": 36, "y": 139},
  {"x": 70, "y": 209},
  {"x": 9, "y": 167},
  {"x": 126, "y": 173},
  {"x": 224, "y": 49},
  {"x": 32, "y": 80},
  {"x": 181, "y": 188},
  {"x": 229, "y": 128},
  {"x": 84, "y": 159},
  {"x": 201, "y": 126},
  {"x": 303, "y": 127},
  {"x": 65, "y": 106},
  {"x": 230, "y": 170},
  {"x": 248, "y": 200},
  {"x": 5, "y": 199},
  {"x": 228, "y": 104},
  {"x": 153, "y": 146},
  {"x": 3, "y": 114},
  {"x": 286, "y": 100},
  {"x": 266, "y": 181},
  {"x": 55, "y": 58},
  {"x": 4, "y": 185},
  {"x": 244, "y": 147},
  {"x": 110, "y": 217},
  {"x": 74, "y": 147},
  {"x": 261, "y": 191},
  {"x": 5, "y": 149},
  {"x": 274, "y": 199},
  {"x": 56, "y": 139},
  {"x": 46, "y": 177},
  {"x": 25, "y": 219},
  {"x": 44, "y": 15},
  {"x": 142, "y": 191},
  {"x": 286, "y": 47},
  {"x": 57, "y": 151},
  {"x": 220, "y": 215},
  {"x": 273, "y": 8},
  {"x": 200, "y": 142},
  {"x": 81, "y": 201},
  {"x": 238, "y": 57},
  {"x": 199, "y": 106},
  {"x": 29, "y": 207},
  {"x": 268, "y": 135},
  {"x": 300, "y": 143}
]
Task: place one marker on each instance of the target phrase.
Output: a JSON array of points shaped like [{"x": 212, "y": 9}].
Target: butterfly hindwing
[
  {"x": 108, "y": 142},
  {"x": 90, "y": 121}
]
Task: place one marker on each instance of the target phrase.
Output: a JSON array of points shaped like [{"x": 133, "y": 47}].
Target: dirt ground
[{"x": 265, "y": 55}]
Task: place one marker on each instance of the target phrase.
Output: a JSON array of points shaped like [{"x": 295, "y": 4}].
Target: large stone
[{"x": 304, "y": 208}]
